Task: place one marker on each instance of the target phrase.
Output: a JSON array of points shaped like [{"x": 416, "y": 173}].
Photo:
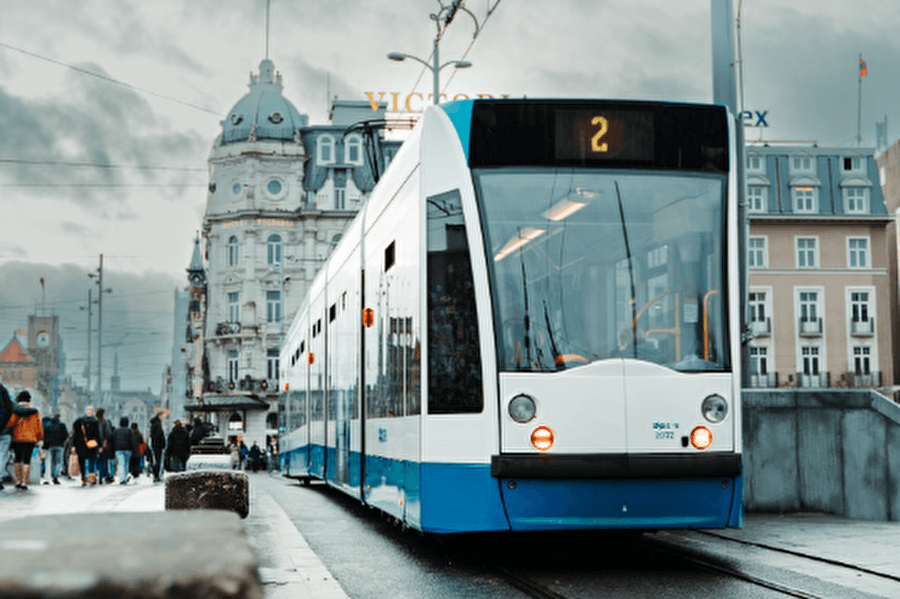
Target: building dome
[{"x": 263, "y": 114}]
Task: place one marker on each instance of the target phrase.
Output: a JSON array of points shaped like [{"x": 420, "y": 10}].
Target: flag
[{"x": 862, "y": 68}]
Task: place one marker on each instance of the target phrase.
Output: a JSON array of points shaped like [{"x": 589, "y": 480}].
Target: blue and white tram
[{"x": 532, "y": 324}]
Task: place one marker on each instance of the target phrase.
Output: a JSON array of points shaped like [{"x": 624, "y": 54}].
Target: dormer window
[
  {"x": 806, "y": 198},
  {"x": 856, "y": 200},
  {"x": 276, "y": 117},
  {"x": 852, "y": 163},
  {"x": 353, "y": 146},
  {"x": 756, "y": 164},
  {"x": 803, "y": 164},
  {"x": 325, "y": 149}
]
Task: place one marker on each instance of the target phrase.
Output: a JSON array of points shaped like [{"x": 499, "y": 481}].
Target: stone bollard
[
  {"x": 131, "y": 555},
  {"x": 209, "y": 489}
]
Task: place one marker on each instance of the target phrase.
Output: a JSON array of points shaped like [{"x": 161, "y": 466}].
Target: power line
[
  {"x": 108, "y": 79},
  {"x": 100, "y": 165},
  {"x": 100, "y": 185}
]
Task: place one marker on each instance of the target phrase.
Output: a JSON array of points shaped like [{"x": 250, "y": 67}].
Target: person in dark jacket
[
  {"x": 179, "y": 446},
  {"x": 157, "y": 441},
  {"x": 137, "y": 459},
  {"x": 55, "y": 435},
  {"x": 106, "y": 453},
  {"x": 125, "y": 444},
  {"x": 87, "y": 444}
]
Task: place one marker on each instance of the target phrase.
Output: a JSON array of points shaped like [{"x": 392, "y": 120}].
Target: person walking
[
  {"x": 179, "y": 446},
  {"x": 105, "y": 454},
  {"x": 157, "y": 441},
  {"x": 87, "y": 445},
  {"x": 235, "y": 450},
  {"x": 6, "y": 414},
  {"x": 27, "y": 431},
  {"x": 55, "y": 436},
  {"x": 125, "y": 445},
  {"x": 137, "y": 458}
]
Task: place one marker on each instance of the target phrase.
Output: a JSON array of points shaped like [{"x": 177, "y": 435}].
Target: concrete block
[
  {"x": 820, "y": 465},
  {"x": 209, "y": 489},
  {"x": 129, "y": 555},
  {"x": 770, "y": 467},
  {"x": 865, "y": 465}
]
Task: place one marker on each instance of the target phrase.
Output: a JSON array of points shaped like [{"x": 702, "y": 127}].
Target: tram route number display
[{"x": 603, "y": 135}]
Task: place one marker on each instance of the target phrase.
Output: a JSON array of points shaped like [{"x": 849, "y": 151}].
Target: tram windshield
[{"x": 593, "y": 264}]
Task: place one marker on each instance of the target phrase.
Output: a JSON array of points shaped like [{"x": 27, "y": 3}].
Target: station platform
[{"x": 288, "y": 567}]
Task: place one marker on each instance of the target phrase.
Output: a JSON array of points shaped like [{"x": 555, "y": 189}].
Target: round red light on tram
[
  {"x": 701, "y": 437},
  {"x": 542, "y": 438}
]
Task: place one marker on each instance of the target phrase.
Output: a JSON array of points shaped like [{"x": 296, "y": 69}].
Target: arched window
[
  {"x": 353, "y": 146},
  {"x": 273, "y": 249},
  {"x": 325, "y": 148},
  {"x": 232, "y": 257}
]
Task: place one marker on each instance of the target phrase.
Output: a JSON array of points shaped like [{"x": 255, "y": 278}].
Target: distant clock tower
[{"x": 45, "y": 347}]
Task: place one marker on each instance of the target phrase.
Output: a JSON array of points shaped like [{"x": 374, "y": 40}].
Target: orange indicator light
[
  {"x": 542, "y": 438},
  {"x": 701, "y": 437}
]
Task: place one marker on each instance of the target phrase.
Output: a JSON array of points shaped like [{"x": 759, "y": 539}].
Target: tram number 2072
[{"x": 665, "y": 430}]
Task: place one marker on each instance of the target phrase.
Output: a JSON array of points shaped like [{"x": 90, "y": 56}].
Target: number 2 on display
[{"x": 596, "y": 144}]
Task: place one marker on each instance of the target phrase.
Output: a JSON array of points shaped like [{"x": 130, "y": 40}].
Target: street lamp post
[{"x": 445, "y": 16}]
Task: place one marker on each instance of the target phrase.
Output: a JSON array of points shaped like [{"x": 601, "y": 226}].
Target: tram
[{"x": 532, "y": 324}]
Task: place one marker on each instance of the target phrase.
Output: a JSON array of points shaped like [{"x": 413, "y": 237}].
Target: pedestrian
[
  {"x": 87, "y": 445},
  {"x": 6, "y": 414},
  {"x": 55, "y": 436},
  {"x": 105, "y": 453},
  {"x": 137, "y": 458},
  {"x": 27, "y": 431},
  {"x": 244, "y": 452},
  {"x": 255, "y": 457},
  {"x": 179, "y": 446},
  {"x": 125, "y": 445},
  {"x": 235, "y": 450},
  {"x": 157, "y": 441}
]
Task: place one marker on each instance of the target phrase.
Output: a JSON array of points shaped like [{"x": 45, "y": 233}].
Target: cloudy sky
[{"x": 108, "y": 111}]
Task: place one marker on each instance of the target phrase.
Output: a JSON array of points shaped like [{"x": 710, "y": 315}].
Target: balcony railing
[
  {"x": 761, "y": 328},
  {"x": 820, "y": 380},
  {"x": 811, "y": 327},
  {"x": 764, "y": 381},
  {"x": 236, "y": 329},
  {"x": 847, "y": 380},
  {"x": 862, "y": 328}
]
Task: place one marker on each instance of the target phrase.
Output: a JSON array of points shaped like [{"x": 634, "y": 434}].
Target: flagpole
[{"x": 859, "y": 105}]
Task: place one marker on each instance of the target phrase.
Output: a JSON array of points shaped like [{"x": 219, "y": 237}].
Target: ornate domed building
[{"x": 280, "y": 194}]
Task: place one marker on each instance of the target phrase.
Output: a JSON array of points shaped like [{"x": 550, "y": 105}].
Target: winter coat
[
  {"x": 55, "y": 434},
  {"x": 157, "y": 435},
  {"x": 124, "y": 439},
  {"x": 179, "y": 441},
  {"x": 6, "y": 410},
  {"x": 27, "y": 429},
  {"x": 86, "y": 427}
]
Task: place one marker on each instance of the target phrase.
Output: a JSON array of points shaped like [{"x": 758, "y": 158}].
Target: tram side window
[{"x": 454, "y": 357}]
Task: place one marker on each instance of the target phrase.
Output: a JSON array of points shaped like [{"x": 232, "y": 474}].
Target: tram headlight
[
  {"x": 701, "y": 437},
  {"x": 542, "y": 438},
  {"x": 522, "y": 409},
  {"x": 714, "y": 408}
]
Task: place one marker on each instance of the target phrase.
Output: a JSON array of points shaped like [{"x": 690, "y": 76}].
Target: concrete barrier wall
[{"x": 833, "y": 451}]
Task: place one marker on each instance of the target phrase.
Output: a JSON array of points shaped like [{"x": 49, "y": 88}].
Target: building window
[
  {"x": 810, "y": 358},
  {"x": 856, "y": 200},
  {"x": 757, "y": 257},
  {"x": 272, "y": 364},
  {"x": 757, "y": 306},
  {"x": 233, "y": 248},
  {"x": 354, "y": 149},
  {"x": 759, "y": 360},
  {"x": 325, "y": 149},
  {"x": 234, "y": 307},
  {"x": 273, "y": 250},
  {"x": 273, "y": 306},
  {"x": 858, "y": 252},
  {"x": 852, "y": 163},
  {"x": 802, "y": 164},
  {"x": 756, "y": 164},
  {"x": 233, "y": 374},
  {"x": 756, "y": 198},
  {"x": 861, "y": 360},
  {"x": 806, "y": 199},
  {"x": 859, "y": 306},
  {"x": 806, "y": 252}
]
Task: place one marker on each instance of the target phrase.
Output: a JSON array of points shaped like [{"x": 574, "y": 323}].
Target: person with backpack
[{"x": 55, "y": 436}]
